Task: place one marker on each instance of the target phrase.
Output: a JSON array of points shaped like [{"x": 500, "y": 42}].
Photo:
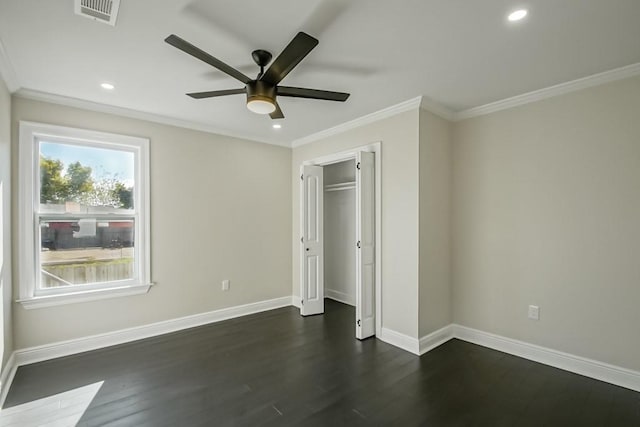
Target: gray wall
[
  {"x": 232, "y": 198},
  {"x": 435, "y": 231},
  {"x": 6, "y": 342},
  {"x": 546, "y": 211},
  {"x": 399, "y": 137},
  {"x": 340, "y": 234},
  {"x": 543, "y": 201}
]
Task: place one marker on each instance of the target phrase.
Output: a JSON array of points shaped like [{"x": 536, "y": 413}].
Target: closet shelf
[{"x": 341, "y": 186}]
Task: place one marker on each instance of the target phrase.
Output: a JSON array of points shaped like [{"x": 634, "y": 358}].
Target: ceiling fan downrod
[{"x": 262, "y": 58}]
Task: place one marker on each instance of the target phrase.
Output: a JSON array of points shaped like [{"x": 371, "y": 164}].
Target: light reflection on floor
[{"x": 63, "y": 409}]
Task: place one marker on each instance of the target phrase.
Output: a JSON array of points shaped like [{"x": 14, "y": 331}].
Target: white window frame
[{"x": 28, "y": 224}]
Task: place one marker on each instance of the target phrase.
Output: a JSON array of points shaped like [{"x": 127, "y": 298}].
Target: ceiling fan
[{"x": 262, "y": 91}]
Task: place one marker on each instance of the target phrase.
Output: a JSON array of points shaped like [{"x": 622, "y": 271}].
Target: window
[{"x": 84, "y": 223}]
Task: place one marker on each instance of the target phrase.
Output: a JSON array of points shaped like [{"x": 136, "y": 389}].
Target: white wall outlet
[
  {"x": 534, "y": 312},
  {"x": 225, "y": 285}
]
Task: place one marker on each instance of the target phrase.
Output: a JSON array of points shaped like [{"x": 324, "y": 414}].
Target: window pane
[
  {"x": 85, "y": 251},
  {"x": 85, "y": 179}
]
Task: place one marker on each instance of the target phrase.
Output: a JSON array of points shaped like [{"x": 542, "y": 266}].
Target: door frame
[{"x": 350, "y": 154}]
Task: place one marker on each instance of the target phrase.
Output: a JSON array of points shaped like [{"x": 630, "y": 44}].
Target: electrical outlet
[
  {"x": 534, "y": 312},
  {"x": 225, "y": 285}
]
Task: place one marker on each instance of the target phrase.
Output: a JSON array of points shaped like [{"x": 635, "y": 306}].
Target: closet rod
[{"x": 341, "y": 186}]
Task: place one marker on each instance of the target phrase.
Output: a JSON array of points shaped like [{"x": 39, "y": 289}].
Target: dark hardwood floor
[{"x": 277, "y": 368}]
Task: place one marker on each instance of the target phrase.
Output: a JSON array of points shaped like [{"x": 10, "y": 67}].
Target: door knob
[{"x": 307, "y": 249}]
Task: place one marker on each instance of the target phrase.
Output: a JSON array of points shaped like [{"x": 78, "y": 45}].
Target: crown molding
[
  {"x": 549, "y": 92},
  {"x": 423, "y": 102},
  {"x": 436, "y": 108},
  {"x": 411, "y": 104},
  {"x": 134, "y": 114},
  {"x": 7, "y": 72}
]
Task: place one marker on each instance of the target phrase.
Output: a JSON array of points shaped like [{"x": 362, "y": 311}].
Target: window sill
[{"x": 83, "y": 296}]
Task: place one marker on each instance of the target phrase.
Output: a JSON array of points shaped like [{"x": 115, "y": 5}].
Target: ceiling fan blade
[
  {"x": 214, "y": 93},
  {"x": 291, "y": 56},
  {"x": 301, "y": 92},
  {"x": 187, "y": 47},
  {"x": 277, "y": 114}
]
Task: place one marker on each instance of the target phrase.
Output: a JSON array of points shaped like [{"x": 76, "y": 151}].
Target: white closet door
[
  {"x": 365, "y": 247},
  {"x": 311, "y": 222}
]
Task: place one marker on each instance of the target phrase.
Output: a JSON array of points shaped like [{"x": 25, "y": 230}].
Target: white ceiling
[{"x": 458, "y": 53}]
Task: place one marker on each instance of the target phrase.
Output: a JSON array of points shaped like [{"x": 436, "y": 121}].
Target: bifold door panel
[
  {"x": 365, "y": 246},
  {"x": 311, "y": 221}
]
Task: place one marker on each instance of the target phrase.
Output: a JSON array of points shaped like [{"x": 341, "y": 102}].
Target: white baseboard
[
  {"x": 295, "y": 301},
  {"x": 434, "y": 339},
  {"x": 568, "y": 362},
  {"x": 414, "y": 345},
  {"x": 65, "y": 348},
  {"x": 340, "y": 297},
  {"x": 405, "y": 342},
  {"x": 591, "y": 368},
  {"x": 8, "y": 372},
  {"x": 580, "y": 365}
]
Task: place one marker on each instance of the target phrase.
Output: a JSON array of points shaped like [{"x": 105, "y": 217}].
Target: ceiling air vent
[{"x": 99, "y": 10}]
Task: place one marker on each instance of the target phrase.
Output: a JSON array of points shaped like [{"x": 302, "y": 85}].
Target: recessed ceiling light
[
  {"x": 107, "y": 86},
  {"x": 517, "y": 15},
  {"x": 277, "y": 126}
]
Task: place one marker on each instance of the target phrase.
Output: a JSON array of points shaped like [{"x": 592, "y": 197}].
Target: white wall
[
  {"x": 341, "y": 172},
  {"x": 546, "y": 211},
  {"x": 435, "y": 309},
  {"x": 6, "y": 343},
  {"x": 340, "y": 234},
  {"x": 220, "y": 209},
  {"x": 399, "y": 137}
]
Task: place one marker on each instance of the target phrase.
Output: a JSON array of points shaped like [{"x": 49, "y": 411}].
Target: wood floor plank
[{"x": 279, "y": 369}]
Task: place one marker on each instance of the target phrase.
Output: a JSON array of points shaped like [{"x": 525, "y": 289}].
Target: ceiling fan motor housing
[{"x": 258, "y": 90}]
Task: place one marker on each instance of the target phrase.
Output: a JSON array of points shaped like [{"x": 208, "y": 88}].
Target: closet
[
  {"x": 340, "y": 232},
  {"x": 338, "y": 236}
]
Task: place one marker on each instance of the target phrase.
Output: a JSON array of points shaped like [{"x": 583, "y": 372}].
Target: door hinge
[
  {"x": 358, "y": 244},
  {"x": 302, "y": 177},
  {"x": 358, "y": 166},
  {"x": 301, "y": 302},
  {"x": 359, "y": 323},
  {"x": 302, "y": 240}
]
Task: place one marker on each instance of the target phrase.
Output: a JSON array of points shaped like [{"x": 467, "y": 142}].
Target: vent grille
[{"x": 99, "y": 10}]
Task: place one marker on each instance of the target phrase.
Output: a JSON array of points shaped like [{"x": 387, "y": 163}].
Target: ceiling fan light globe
[{"x": 261, "y": 105}]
